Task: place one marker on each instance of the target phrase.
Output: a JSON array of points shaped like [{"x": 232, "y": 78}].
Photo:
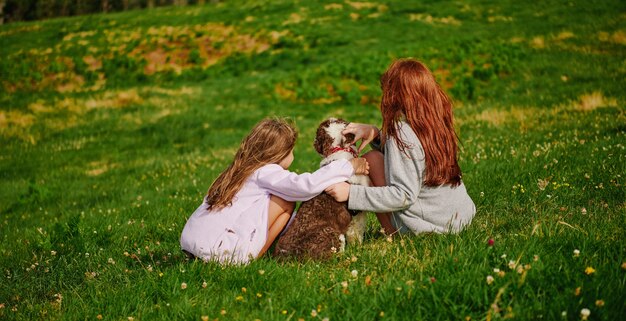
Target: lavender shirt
[{"x": 237, "y": 233}]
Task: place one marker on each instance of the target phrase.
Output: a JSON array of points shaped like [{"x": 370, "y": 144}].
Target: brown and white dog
[{"x": 322, "y": 225}]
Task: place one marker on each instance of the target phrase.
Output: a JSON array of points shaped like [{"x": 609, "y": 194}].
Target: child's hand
[
  {"x": 340, "y": 191},
  {"x": 360, "y": 165},
  {"x": 363, "y": 132}
]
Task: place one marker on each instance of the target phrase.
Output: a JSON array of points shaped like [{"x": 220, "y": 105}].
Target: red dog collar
[{"x": 345, "y": 149}]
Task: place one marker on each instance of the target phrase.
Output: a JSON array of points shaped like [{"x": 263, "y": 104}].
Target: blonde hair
[{"x": 270, "y": 141}]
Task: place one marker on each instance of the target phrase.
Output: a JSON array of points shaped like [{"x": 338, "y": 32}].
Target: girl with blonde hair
[{"x": 250, "y": 203}]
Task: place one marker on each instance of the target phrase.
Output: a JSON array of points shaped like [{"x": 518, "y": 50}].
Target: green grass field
[{"x": 112, "y": 128}]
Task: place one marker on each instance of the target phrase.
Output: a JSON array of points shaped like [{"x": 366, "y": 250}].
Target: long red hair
[{"x": 410, "y": 92}]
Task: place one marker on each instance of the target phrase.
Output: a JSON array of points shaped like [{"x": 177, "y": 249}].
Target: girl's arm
[
  {"x": 293, "y": 187},
  {"x": 365, "y": 133},
  {"x": 404, "y": 179}
]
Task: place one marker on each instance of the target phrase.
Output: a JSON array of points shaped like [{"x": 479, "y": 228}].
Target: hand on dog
[
  {"x": 360, "y": 165},
  {"x": 340, "y": 191},
  {"x": 363, "y": 132}
]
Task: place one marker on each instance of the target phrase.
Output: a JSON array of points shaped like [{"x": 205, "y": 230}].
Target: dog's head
[{"x": 329, "y": 137}]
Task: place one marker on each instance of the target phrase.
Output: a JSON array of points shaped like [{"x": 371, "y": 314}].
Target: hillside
[{"x": 112, "y": 127}]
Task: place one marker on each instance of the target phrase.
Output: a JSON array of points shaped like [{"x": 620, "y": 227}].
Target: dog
[{"x": 322, "y": 225}]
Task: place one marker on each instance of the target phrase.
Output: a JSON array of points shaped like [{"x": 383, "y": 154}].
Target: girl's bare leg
[
  {"x": 376, "y": 161},
  {"x": 279, "y": 213}
]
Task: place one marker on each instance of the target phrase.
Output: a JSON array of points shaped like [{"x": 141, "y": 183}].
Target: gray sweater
[{"x": 415, "y": 207}]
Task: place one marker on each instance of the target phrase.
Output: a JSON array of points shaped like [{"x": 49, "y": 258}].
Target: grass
[{"x": 113, "y": 126}]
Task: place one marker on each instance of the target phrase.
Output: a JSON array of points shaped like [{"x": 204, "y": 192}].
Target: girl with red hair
[{"x": 413, "y": 165}]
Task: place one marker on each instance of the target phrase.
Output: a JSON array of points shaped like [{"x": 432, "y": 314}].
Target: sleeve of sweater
[
  {"x": 404, "y": 179},
  {"x": 302, "y": 187}
]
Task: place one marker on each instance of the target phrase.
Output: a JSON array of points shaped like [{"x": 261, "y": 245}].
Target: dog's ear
[
  {"x": 321, "y": 142},
  {"x": 317, "y": 144},
  {"x": 348, "y": 139}
]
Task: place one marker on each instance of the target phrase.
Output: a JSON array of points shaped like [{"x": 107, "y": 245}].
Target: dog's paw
[
  {"x": 342, "y": 242},
  {"x": 356, "y": 229}
]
